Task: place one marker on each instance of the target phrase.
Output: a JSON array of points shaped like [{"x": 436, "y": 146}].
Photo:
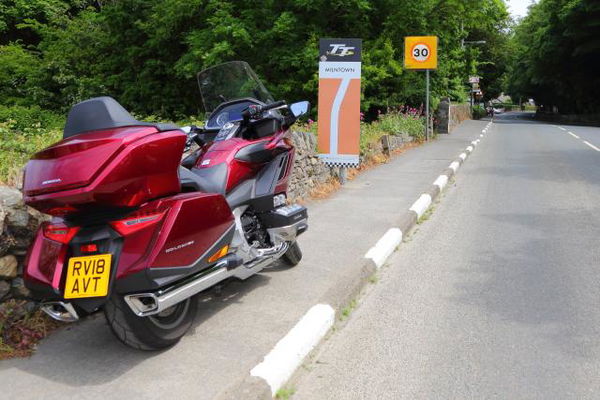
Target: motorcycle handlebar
[
  {"x": 257, "y": 110},
  {"x": 274, "y": 105}
]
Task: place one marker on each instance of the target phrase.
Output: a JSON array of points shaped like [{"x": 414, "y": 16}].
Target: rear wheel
[
  {"x": 149, "y": 333},
  {"x": 293, "y": 255}
]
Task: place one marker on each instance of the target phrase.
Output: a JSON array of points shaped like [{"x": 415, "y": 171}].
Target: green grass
[
  {"x": 346, "y": 311},
  {"x": 285, "y": 393}
]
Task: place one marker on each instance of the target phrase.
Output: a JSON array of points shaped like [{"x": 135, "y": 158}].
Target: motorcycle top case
[{"x": 118, "y": 167}]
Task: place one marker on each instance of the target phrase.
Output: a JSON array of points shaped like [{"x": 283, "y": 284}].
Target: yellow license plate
[{"x": 88, "y": 276}]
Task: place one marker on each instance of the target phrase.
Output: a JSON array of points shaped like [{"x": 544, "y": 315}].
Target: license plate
[{"x": 88, "y": 276}]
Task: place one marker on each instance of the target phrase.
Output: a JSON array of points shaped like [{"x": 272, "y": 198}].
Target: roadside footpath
[{"x": 239, "y": 325}]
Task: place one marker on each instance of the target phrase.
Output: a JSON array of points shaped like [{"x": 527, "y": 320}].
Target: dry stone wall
[
  {"x": 18, "y": 224},
  {"x": 448, "y": 116}
]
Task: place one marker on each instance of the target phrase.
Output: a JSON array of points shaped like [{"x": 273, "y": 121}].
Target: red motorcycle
[{"x": 138, "y": 232}]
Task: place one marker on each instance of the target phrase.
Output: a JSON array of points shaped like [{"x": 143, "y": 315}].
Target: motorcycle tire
[
  {"x": 293, "y": 255},
  {"x": 154, "y": 332}
]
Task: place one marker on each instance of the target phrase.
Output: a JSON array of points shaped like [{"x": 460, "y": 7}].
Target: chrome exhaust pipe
[
  {"x": 152, "y": 303},
  {"x": 146, "y": 304},
  {"x": 60, "y": 311}
]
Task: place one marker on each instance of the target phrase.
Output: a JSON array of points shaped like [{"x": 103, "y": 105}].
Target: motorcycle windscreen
[{"x": 230, "y": 81}]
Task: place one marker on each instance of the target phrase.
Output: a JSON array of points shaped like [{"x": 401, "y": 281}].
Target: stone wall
[
  {"x": 448, "y": 116},
  {"x": 458, "y": 114},
  {"x": 18, "y": 222}
]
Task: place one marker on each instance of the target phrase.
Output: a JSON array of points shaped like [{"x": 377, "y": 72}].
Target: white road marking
[
  {"x": 572, "y": 134},
  {"x": 560, "y": 127},
  {"x": 287, "y": 355},
  {"x": 469, "y": 149},
  {"x": 385, "y": 246},
  {"x": 475, "y": 142},
  {"x": 454, "y": 166},
  {"x": 481, "y": 135},
  {"x": 421, "y": 205},
  {"x": 441, "y": 182},
  {"x": 462, "y": 156},
  {"x": 591, "y": 145}
]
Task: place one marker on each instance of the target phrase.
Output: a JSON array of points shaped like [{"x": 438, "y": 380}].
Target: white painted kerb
[
  {"x": 385, "y": 246},
  {"x": 454, "y": 166},
  {"x": 279, "y": 365},
  {"x": 441, "y": 182},
  {"x": 421, "y": 205}
]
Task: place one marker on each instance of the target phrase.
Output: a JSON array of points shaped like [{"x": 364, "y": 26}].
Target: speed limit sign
[{"x": 420, "y": 52}]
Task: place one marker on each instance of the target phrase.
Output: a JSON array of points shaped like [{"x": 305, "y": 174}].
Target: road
[
  {"x": 236, "y": 329},
  {"x": 496, "y": 295}
]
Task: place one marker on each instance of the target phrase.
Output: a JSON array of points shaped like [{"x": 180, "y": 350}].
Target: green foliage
[
  {"x": 146, "y": 53},
  {"x": 556, "y": 56},
  {"x": 479, "y": 112},
  {"x": 24, "y": 131}
]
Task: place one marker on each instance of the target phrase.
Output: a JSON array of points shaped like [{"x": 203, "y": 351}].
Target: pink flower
[
  {"x": 310, "y": 121},
  {"x": 362, "y": 116}
]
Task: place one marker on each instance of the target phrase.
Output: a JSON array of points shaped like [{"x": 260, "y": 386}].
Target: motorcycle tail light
[
  {"x": 60, "y": 233},
  {"x": 60, "y": 211},
  {"x": 136, "y": 222},
  {"x": 89, "y": 248}
]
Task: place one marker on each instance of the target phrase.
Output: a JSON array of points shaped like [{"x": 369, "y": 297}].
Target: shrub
[
  {"x": 479, "y": 112},
  {"x": 24, "y": 131}
]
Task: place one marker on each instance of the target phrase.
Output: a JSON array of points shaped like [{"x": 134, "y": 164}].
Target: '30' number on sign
[{"x": 420, "y": 52}]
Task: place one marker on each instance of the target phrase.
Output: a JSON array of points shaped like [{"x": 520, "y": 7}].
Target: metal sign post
[
  {"x": 427, "y": 104},
  {"x": 420, "y": 52}
]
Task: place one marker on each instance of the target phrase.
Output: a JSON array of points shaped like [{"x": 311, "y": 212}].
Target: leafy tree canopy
[
  {"x": 556, "y": 55},
  {"x": 146, "y": 53}
]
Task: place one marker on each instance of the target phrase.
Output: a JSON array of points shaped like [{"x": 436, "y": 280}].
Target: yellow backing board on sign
[{"x": 420, "y": 52}]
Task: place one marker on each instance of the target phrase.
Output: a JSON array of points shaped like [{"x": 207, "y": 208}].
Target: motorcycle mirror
[{"x": 300, "y": 108}]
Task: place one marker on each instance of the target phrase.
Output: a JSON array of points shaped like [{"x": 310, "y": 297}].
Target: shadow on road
[
  {"x": 86, "y": 353},
  {"x": 515, "y": 117}
]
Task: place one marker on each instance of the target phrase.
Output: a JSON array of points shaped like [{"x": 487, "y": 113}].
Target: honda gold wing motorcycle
[{"x": 137, "y": 232}]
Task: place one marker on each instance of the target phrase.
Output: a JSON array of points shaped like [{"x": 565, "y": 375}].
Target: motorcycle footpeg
[{"x": 231, "y": 261}]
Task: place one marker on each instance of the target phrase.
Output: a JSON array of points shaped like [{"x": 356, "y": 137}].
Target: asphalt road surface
[{"x": 497, "y": 294}]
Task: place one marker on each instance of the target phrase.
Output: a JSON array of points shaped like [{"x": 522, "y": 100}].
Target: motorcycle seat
[
  {"x": 103, "y": 113},
  {"x": 206, "y": 180}
]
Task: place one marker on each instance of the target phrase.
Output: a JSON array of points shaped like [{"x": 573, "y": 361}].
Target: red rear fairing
[
  {"x": 163, "y": 233},
  {"x": 122, "y": 167}
]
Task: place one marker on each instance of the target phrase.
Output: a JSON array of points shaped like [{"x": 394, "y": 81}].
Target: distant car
[{"x": 498, "y": 110}]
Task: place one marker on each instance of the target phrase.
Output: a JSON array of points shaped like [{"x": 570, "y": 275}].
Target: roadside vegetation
[
  {"x": 24, "y": 131},
  {"x": 146, "y": 53},
  {"x": 555, "y": 56},
  {"x": 21, "y": 329}
]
